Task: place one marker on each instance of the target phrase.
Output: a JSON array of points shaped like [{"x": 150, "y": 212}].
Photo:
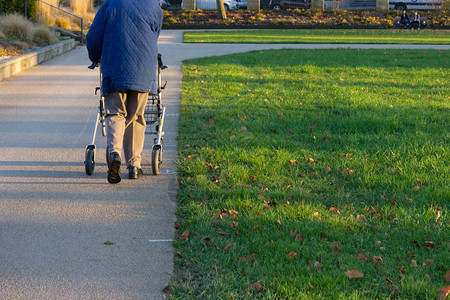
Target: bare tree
[{"x": 221, "y": 10}]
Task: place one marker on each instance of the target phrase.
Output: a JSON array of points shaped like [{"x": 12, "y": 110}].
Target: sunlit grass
[
  {"x": 333, "y": 36},
  {"x": 293, "y": 162}
]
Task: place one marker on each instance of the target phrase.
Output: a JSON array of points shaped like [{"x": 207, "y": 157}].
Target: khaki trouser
[{"x": 125, "y": 124}]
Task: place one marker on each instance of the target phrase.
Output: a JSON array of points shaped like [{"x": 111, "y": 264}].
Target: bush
[
  {"x": 63, "y": 22},
  {"x": 17, "y": 27},
  {"x": 43, "y": 36},
  {"x": 81, "y": 7},
  {"x": 18, "y": 6}
]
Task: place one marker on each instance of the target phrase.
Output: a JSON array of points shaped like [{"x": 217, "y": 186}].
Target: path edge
[{"x": 13, "y": 66}]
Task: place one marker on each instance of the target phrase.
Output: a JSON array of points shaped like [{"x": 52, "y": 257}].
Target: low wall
[{"x": 12, "y": 66}]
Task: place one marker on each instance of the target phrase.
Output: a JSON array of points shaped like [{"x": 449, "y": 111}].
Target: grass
[
  {"x": 297, "y": 166},
  {"x": 328, "y": 36}
]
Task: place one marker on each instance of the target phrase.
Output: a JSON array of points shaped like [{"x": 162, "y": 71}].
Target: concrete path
[{"x": 54, "y": 219}]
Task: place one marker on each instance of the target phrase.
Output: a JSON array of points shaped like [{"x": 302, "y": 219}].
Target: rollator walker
[{"x": 154, "y": 118}]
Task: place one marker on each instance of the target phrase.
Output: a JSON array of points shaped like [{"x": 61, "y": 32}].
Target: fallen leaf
[
  {"x": 310, "y": 285},
  {"x": 243, "y": 128},
  {"x": 232, "y": 138},
  {"x": 401, "y": 269},
  {"x": 427, "y": 262},
  {"x": 167, "y": 289},
  {"x": 378, "y": 260},
  {"x": 429, "y": 244},
  {"x": 315, "y": 214},
  {"x": 438, "y": 215},
  {"x": 258, "y": 287},
  {"x": 207, "y": 241},
  {"x": 185, "y": 235},
  {"x": 310, "y": 160},
  {"x": 327, "y": 170},
  {"x": 222, "y": 233},
  {"x": 211, "y": 121},
  {"x": 443, "y": 293},
  {"x": 108, "y": 243},
  {"x": 226, "y": 247},
  {"x": 416, "y": 243},
  {"x": 361, "y": 217},
  {"x": 361, "y": 256},
  {"x": 413, "y": 263},
  {"x": 293, "y": 161},
  {"x": 447, "y": 276},
  {"x": 293, "y": 232},
  {"x": 279, "y": 222},
  {"x": 291, "y": 255},
  {"x": 336, "y": 250},
  {"x": 299, "y": 237},
  {"x": 256, "y": 227},
  {"x": 378, "y": 243},
  {"x": 354, "y": 274},
  {"x": 334, "y": 209}
]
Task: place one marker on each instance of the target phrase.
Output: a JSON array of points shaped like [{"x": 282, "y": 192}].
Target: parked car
[
  {"x": 241, "y": 4},
  {"x": 288, "y": 4},
  {"x": 212, "y": 4},
  {"x": 164, "y": 4}
]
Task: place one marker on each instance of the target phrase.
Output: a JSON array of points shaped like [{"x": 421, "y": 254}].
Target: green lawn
[
  {"x": 297, "y": 167},
  {"x": 320, "y": 36}
]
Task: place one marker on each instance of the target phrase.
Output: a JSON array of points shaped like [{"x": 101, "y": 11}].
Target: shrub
[
  {"x": 45, "y": 12},
  {"x": 81, "y": 7},
  {"x": 17, "y": 27},
  {"x": 17, "y": 6},
  {"x": 63, "y": 22},
  {"x": 2, "y": 35},
  {"x": 43, "y": 36}
]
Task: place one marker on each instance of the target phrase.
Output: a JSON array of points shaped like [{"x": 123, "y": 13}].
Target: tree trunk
[{"x": 221, "y": 10}]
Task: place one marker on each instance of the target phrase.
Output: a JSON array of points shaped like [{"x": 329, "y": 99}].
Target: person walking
[{"x": 123, "y": 38}]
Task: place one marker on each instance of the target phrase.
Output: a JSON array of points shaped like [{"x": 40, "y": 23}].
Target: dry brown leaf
[
  {"x": 336, "y": 250},
  {"x": 279, "y": 222},
  {"x": 429, "y": 244},
  {"x": 354, "y": 274},
  {"x": 310, "y": 285},
  {"x": 327, "y": 170},
  {"x": 361, "y": 217},
  {"x": 416, "y": 243},
  {"x": 447, "y": 276},
  {"x": 299, "y": 237},
  {"x": 401, "y": 270},
  {"x": 334, "y": 209},
  {"x": 226, "y": 247},
  {"x": 293, "y": 161},
  {"x": 293, "y": 232},
  {"x": 222, "y": 233},
  {"x": 291, "y": 255},
  {"x": 243, "y": 128},
  {"x": 310, "y": 160},
  {"x": 438, "y": 215},
  {"x": 427, "y": 262},
  {"x": 317, "y": 264},
  {"x": 443, "y": 293},
  {"x": 207, "y": 241},
  {"x": 378, "y": 260},
  {"x": 413, "y": 263},
  {"x": 316, "y": 214},
  {"x": 361, "y": 256},
  {"x": 211, "y": 121},
  {"x": 185, "y": 235},
  {"x": 258, "y": 287},
  {"x": 167, "y": 289}
]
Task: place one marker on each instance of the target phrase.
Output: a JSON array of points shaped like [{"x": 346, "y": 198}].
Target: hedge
[{"x": 17, "y": 6}]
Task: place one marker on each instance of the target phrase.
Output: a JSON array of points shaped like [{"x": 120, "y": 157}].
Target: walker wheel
[
  {"x": 89, "y": 163},
  {"x": 156, "y": 160}
]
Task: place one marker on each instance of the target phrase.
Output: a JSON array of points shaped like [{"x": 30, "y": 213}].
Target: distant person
[
  {"x": 404, "y": 20},
  {"x": 123, "y": 36},
  {"x": 415, "y": 20}
]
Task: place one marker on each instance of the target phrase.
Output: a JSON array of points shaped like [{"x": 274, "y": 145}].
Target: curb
[{"x": 11, "y": 67}]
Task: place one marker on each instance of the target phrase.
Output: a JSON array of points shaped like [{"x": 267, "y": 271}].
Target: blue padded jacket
[{"x": 123, "y": 36}]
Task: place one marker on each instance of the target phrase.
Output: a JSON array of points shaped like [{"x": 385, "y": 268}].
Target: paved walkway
[{"x": 54, "y": 219}]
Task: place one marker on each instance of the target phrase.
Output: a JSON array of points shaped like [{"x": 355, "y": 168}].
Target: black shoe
[
  {"x": 114, "y": 168},
  {"x": 135, "y": 173}
]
